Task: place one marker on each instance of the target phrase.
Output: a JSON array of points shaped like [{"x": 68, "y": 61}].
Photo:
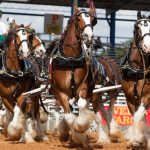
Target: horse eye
[
  {"x": 145, "y": 23},
  {"x": 87, "y": 15},
  {"x": 78, "y": 19},
  {"x": 23, "y": 32}
]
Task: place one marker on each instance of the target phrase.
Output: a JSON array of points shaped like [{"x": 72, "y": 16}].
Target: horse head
[
  {"x": 18, "y": 50},
  {"x": 142, "y": 32},
  {"x": 21, "y": 36},
  {"x": 83, "y": 22},
  {"x": 37, "y": 45}
]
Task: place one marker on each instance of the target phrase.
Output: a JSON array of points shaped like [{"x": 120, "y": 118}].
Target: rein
[
  {"x": 32, "y": 48},
  {"x": 145, "y": 72},
  {"x": 17, "y": 46}
]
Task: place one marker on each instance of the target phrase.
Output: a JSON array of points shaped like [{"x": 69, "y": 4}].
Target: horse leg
[
  {"x": 114, "y": 127},
  {"x": 136, "y": 131},
  {"x": 81, "y": 124},
  {"x": 7, "y": 119},
  {"x": 65, "y": 124},
  {"x": 43, "y": 116},
  {"x": 2, "y": 116},
  {"x": 132, "y": 108},
  {"x": 16, "y": 126},
  {"x": 43, "y": 119},
  {"x": 39, "y": 119},
  {"x": 9, "y": 105},
  {"x": 98, "y": 106},
  {"x": 68, "y": 124},
  {"x": 57, "y": 117},
  {"x": 40, "y": 130}
]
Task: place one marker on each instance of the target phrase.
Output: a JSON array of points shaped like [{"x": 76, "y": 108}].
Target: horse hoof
[
  {"x": 15, "y": 142},
  {"x": 114, "y": 139},
  {"x": 45, "y": 138},
  {"x": 128, "y": 146},
  {"x": 88, "y": 147},
  {"x": 12, "y": 139},
  {"x": 29, "y": 141},
  {"x": 97, "y": 146},
  {"x": 103, "y": 141},
  {"x": 63, "y": 138},
  {"x": 137, "y": 146}
]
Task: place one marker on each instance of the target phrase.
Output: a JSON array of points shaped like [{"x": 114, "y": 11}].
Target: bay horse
[
  {"x": 71, "y": 75},
  {"x": 18, "y": 76},
  {"x": 135, "y": 82},
  {"x": 108, "y": 75}
]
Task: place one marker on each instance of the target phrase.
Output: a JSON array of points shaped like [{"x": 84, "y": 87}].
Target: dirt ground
[{"x": 55, "y": 144}]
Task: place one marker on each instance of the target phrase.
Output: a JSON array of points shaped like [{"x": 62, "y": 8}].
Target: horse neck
[
  {"x": 136, "y": 57},
  {"x": 12, "y": 61},
  {"x": 71, "y": 45}
]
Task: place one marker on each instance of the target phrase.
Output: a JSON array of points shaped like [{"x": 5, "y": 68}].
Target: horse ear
[
  {"x": 28, "y": 26},
  {"x": 139, "y": 15},
  {"x": 76, "y": 10},
  {"x": 15, "y": 25},
  {"x": 92, "y": 11}
]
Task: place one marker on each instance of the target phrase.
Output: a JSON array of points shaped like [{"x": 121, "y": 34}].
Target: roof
[{"x": 143, "y": 5}]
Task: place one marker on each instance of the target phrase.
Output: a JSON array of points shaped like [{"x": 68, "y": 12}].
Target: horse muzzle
[
  {"x": 145, "y": 49},
  {"x": 40, "y": 54},
  {"x": 23, "y": 55}
]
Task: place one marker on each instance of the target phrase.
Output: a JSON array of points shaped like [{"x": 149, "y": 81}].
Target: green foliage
[{"x": 122, "y": 49}]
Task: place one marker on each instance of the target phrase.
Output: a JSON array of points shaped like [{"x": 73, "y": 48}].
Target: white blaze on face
[
  {"x": 145, "y": 28},
  {"x": 39, "y": 50},
  {"x": 24, "y": 45},
  {"x": 87, "y": 30}
]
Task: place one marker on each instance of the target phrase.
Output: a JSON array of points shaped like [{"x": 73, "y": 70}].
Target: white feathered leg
[
  {"x": 40, "y": 131},
  {"x": 135, "y": 134},
  {"x": 102, "y": 135},
  {"x": 16, "y": 126},
  {"x": 29, "y": 131}
]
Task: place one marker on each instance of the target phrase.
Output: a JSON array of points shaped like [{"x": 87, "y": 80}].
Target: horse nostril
[
  {"x": 41, "y": 51},
  {"x": 86, "y": 35},
  {"x": 28, "y": 53}
]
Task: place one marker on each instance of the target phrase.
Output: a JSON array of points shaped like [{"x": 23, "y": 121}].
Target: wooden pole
[{"x": 109, "y": 88}]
